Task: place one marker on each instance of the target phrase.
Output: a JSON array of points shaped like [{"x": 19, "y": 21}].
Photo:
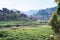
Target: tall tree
[{"x": 55, "y": 20}]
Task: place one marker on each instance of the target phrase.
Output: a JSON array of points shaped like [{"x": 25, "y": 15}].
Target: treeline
[{"x": 8, "y": 15}]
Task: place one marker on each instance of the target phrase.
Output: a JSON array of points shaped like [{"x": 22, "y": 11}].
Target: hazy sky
[{"x": 25, "y": 5}]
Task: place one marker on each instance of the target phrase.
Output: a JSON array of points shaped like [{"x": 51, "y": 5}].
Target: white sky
[{"x": 25, "y": 5}]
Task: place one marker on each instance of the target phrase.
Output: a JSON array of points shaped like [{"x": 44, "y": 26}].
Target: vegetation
[
  {"x": 9, "y": 18},
  {"x": 55, "y": 20},
  {"x": 27, "y": 33},
  {"x": 11, "y": 15},
  {"x": 15, "y": 23}
]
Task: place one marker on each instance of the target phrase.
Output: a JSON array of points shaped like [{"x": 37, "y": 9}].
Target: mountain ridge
[{"x": 43, "y": 14}]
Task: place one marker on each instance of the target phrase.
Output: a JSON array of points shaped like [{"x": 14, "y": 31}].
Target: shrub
[
  {"x": 17, "y": 25},
  {"x": 1, "y": 39},
  {"x": 53, "y": 22},
  {"x": 3, "y": 34},
  {"x": 10, "y": 38},
  {"x": 8, "y": 25}
]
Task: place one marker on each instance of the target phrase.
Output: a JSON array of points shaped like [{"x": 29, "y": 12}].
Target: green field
[
  {"x": 27, "y": 33},
  {"x": 12, "y": 23}
]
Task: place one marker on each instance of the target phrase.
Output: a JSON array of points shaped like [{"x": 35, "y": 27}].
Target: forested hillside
[
  {"x": 43, "y": 14},
  {"x": 8, "y": 15}
]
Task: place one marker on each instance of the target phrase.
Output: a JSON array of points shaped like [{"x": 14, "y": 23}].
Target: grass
[
  {"x": 5, "y": 23},
  {"x": 13, "y": 23},
  {"x": 27, "y": 33}
]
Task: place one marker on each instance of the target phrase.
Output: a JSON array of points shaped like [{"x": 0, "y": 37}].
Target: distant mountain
[
  {"x": 31, "y": 12},
  {"x": 43, "y": 14}
]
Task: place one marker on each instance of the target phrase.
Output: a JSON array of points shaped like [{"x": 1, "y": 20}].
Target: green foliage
[
  {"x": 19, "y": 23},
  {"x": 11, "y": 15},
  {"x": 58, "y": 9},
  {"x": 1, "y": 39},
  {"x": 38, "y": 33},
  {"x": 53, "y": 19},
  {"x": 57, "y": 1},
  {"x": 13, "y": 23},
  {"x": 53, "y": 22}
]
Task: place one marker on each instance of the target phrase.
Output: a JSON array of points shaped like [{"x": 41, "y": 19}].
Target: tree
[
  {"x": 57, "y": 1},
  {"x": 54, "y": 21}
]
